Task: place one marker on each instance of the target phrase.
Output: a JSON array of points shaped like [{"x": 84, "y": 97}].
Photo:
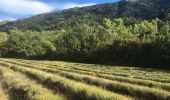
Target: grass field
[{"x": 56, "y": 80}]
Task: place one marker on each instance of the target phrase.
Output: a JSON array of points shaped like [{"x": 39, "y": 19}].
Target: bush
[{"x": 28, "y": 43}]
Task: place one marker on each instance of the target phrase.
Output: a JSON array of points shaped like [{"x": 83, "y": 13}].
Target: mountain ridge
[
  {"x": 4, "y": 22},
  {"x": 140, "y": 9}
]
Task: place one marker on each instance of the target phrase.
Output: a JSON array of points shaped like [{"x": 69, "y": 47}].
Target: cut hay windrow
[
  {"x": 144, "y": 74},
  {"x": 124, "y": 88},
  {"x": 3, "y": 95},
  {"x": 74, "y": 90},
  {"x": 152, "y": 84},
  {"x": 19, "y": 87},
  {"x": 157, "y": 75}
]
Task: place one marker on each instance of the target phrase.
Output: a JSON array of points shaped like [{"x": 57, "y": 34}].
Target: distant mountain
[
  {"x": 140, "y": 9},
  {"x": 4, "y": 22}
]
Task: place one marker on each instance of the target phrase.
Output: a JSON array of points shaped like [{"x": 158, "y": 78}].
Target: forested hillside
[
  {"x": 129, "y": 32},
  {"x": 4, "y": 22},
  {"x": 140, "y": 9}
]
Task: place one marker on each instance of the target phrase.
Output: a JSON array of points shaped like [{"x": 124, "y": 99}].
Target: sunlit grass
[
  {"x": 75, "y": 89},
  {"x": 149, "y": 83},
  {"x": 3, "y": 95},
  {"x": 122, "y": 88},
  {"x": 78, "y": 81},
  {"x": 126, "y": 71},
  {"x": 20, "y": 87}
]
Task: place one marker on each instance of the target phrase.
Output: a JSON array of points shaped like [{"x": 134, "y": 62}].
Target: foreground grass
[
  {"x": 136, "y": 91},
  {"x": 64, "y": 72},
  {"x": 93, "y": 82},
  {"x": 20, "y": 87},
  {"x": 143, "y": 82},
  {"x": 76, "y": 90},
  {"x": 133, "y": 72},
  {"x": 3, "y": 95}
]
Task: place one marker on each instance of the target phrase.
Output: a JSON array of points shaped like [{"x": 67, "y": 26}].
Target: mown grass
[
  {"x": 74, "y": 90},
  {"x": 3, "y": 95},
  {"x": 136, "y": 91},
  {"x": 130, "y": 72},
  {"x": 134, "y": 72},
  {"x": 78, "y": 81},
  {"x": 143, "y": 82},
  {"x": 148, "y": 83},
  {"x": 20, "y": 87}
]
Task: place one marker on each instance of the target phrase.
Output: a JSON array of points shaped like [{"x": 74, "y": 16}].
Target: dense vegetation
[
  {"x": 119, "y": 41},
  {"x": 43, "y": 80},
  {"x": 104, "y": 34}
]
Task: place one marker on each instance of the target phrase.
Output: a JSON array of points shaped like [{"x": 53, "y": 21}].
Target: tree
[
  {"x": 28, "y": 43},
  {"x": 3, "y": 42},
  {"x": 3, "y": 37}
]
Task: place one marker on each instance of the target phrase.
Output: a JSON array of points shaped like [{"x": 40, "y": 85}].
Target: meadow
[{"x": 57, "y": 80}]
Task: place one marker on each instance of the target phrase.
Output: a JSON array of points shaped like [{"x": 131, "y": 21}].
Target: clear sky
[{"x": 15, "y": 9}]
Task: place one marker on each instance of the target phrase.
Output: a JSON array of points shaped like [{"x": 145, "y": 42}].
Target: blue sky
[{"x": 15, "y": 9}]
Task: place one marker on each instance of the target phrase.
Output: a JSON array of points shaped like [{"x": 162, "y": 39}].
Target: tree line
[{"x": 121, "y": 41}]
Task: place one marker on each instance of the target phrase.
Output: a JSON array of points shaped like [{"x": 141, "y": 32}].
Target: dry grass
[
  {"x": 93, "y": 82},
  {"x": 3, "y": 95}
]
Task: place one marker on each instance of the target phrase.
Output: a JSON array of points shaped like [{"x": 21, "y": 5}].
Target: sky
[{"x": 16, "y": 9}]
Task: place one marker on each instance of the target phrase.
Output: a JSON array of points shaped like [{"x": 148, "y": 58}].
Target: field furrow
[
  {"x": 3, "y": 95},
  {"x": 75, "y": 81},
  {"x": 74, "y": 90},
  {"x": 20, "y": 87},
  {"x": 64, "y": 72},
  {"x": 154, "y": 75},
  {"x": 122, "y": 88}
]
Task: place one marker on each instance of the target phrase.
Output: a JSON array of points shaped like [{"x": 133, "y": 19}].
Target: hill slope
[
  {"x": 4, "y": 22},
  {"x": 140, "y": 9}
]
